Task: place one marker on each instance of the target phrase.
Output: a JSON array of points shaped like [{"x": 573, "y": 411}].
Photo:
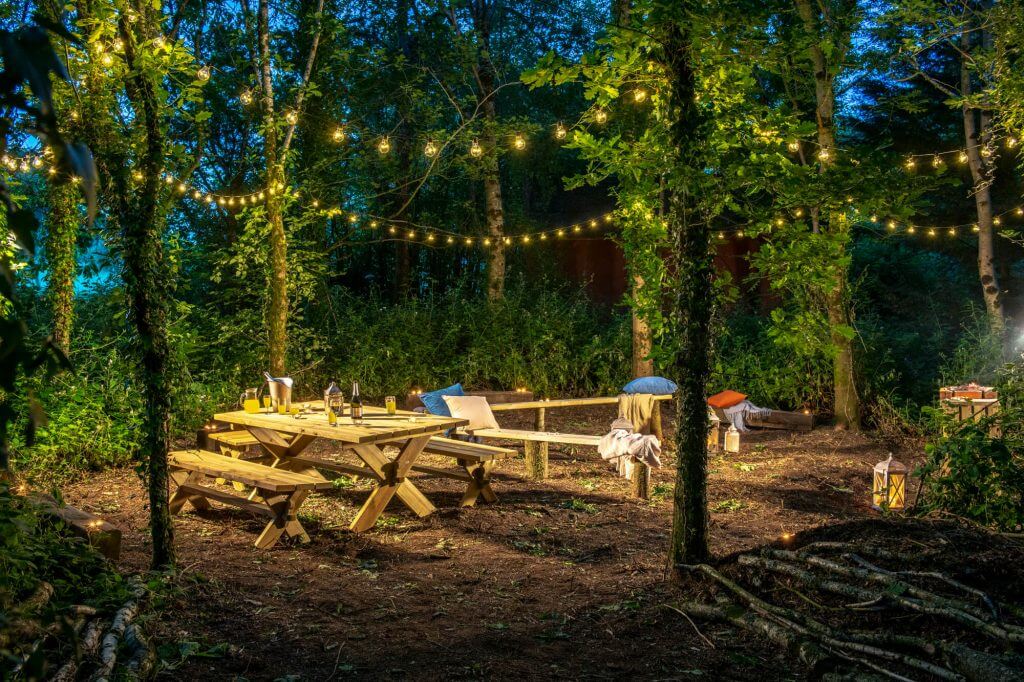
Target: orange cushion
[{"x": 726, "y": 399}]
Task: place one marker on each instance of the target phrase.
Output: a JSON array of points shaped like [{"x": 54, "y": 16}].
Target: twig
[{"x": 692, "y": 624}]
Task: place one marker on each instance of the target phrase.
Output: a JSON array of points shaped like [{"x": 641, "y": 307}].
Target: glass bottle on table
[{"x": 356, "y": 404}]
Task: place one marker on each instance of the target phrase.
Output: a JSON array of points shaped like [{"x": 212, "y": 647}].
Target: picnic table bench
[{"x": 279, "y": 493}]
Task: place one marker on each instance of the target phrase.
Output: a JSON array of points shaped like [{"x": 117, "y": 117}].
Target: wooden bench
[
  {"x": 280, "y": 492},
  {"x": 233, "y": 444},
  {"x": 475, "y": 461},
  {"x": 102, "y": 535},
  {"x": 535, "y": 445}
]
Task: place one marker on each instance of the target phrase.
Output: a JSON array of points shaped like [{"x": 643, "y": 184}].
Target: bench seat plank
[
  {"x": 539, "y": 436},
  {"x": 234, "y": 439},
  {"x": 243, "y": 471},
  {"x": 476, "y": 452}
]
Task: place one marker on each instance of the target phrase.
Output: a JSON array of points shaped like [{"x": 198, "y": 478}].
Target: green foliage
[
  {"x": 976, "y": 470},
  {"x": 36, "y": 549}
]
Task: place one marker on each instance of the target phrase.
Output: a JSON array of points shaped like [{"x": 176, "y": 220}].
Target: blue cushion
[
  {"x": 652, "y": 385},
  {"x": 434, "y": 401}
]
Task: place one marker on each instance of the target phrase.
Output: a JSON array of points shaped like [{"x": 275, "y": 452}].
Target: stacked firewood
[{"x": 957, "y": 631}]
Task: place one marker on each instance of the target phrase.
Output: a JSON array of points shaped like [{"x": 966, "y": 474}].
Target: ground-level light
[{"x": 889, "y": 490}]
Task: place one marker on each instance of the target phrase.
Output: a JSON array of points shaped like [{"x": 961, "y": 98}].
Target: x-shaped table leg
[
  {"x": 284, "y": 508},
  {"x": 480, "y": 486},
  {"x": 393, "y": 482}
]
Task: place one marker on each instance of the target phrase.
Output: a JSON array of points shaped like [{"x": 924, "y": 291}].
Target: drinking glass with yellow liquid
[
  {"x": 250, "y": 401},
  {"x": 332, "y": 418},
  {"x": 267, "y": 402},
  {"x": 391, "y": 404}
]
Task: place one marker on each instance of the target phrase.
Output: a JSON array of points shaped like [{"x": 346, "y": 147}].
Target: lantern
[
  {"x": 890, "y": 485},
  {"x": 732, "y": 439},
  {"x": 714, "y": 424},
  {"x": 334, "y": 400}
]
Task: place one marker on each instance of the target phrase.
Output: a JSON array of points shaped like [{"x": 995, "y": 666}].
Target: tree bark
[
  {"x": 493, "y": 205},
  {"x": 846, "y": 401},
  {"x": 142, "y": 221},
  {"x": 277, "y": 313},
  {"x": 691, "y": 317},
  {"x": 61, "y": 259},
  {"x": 643, "y": 366},
  {"x": 976, "y": 134}
]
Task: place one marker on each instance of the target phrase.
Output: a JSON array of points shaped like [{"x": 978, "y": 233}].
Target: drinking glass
[{"x": 390, "y": 404}]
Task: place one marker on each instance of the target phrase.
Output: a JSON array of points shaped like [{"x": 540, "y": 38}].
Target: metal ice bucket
[{"x": 280, "y": 389}]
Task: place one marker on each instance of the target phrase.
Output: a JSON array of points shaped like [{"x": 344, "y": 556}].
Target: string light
[
  {"x": 794, "y": 146},
  {"x": 824, "y": 155},
  {"x": 291, "y": 116},
  {"x": 475, "y": 150},
  {"x": 106, "y": 59},
  {"x": 245, "y": 97},
  {"x": 384, "y": 146},
  {"x": 338, "y": 135},
  {"x": 519, "y": 142},
  {"x": 910, "y": 163},
  {"x": 203, "y": 74},
  {"x": 601, "y": 116},
  {"x": 639, "y": 95},
  {"x": 962, "y": 157},
  {"x": 430, "y": 149},
  {"x": 560, "y": 132}
]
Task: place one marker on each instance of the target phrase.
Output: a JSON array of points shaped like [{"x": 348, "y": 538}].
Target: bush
[{"x": 977, "y": 470}]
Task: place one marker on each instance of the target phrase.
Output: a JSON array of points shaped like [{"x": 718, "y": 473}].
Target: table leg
[
  {"x": 282, "y": 451},
  {"x": 393, "y": 482},
  {"x": 480, "y": 486},
  {"x": 178, "y": 499},
  {"x": 284, "y": 507}
]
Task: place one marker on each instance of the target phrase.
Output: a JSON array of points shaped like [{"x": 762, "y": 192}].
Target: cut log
[{"x": 101, "y": 534}]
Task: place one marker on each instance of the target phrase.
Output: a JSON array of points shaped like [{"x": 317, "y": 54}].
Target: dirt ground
[{"x": 563, "y": 578}]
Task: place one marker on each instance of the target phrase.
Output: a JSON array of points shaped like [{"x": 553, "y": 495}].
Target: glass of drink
[
  {"x": 266, "y": 403},
  {"x": 249, "y": 401},
  {"x": 390, "y": 404}
]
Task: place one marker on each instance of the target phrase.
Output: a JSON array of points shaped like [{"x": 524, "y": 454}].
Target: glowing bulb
[
  {"x": 560, "y": 233},
  {"x": 450, "y": 240},
  {"x": 740, "y": 233},
  {"x": 106, "y": 59},
  {"x": 430, "y": 149},
  {"x": 37, "y": 162},
  {"x": 798, "y": 213},
  {"x": 526, "y": 239},
  {"x": 543, "y": 236},
  {"x": 475, "y": 150},
  {"x": 181, "y": 187},
  {"x": 242, "y": 201},
  {"x": 1011, "y": 142},
  {"x": 794, "y": 146},
  {"x": 203, "y": 73},
  {"x": 931, "y": 232},
  {"x": 721, "y": 235},
  {"x": 910, "y": 163},
  {"x": 291, "y": 116},
  {"x": 997, "y": 221},
  {"x": 373, "y": 224},
  {"x": 384, "y": 146},
  {"x": 159, "y": 42},
  {"x": 487, "y": 242},
  {"x": 952, "y": 232},
  {"x": 576, "y": 228},
  {"x": 824, "y": 155},
  {"x": 430, "y": 237},
  {"x": 73, "y": 115},
  {"x": 1019, "y": 211},
  {"x": 469, "y": 241},
  {"x": 411, "y": 235},
  {"x": 391, "y": 230},
  {"x": 316, "y": 203},
  {"x": 118, "y": 44},
  {"x": 168, "y": 179},
  {"x": 196, "y": 194},
  {"x": 936, "y": 161},
  {"x": 975, "y": 228},
  {"x": 911, "y": 230},
  {"x": 874, "y": 219},
  {"x": 560, "y": 132},
  {"x": 339, "y": 134},
  {"x": 639, "y": 95},
  {"x": 601, "y": 116},
  {"x": 245, "y": 97},
  {"x": 962, "y": 157},
  {"x": 519, "y": 142},
  {"x": 780, "y": 222},
  {"x": 352, "y": 218},
  {"x": 891, "y": 225},
  {"x": 593, "y": 224},
  {"x": 221, "y": 201},
  {"x": 137, "y": 175},
  {"x": 210, "y": 199}
]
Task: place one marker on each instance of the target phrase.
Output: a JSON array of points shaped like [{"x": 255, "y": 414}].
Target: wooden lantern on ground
[
  {"x": 889, "y": 490},
  {"x": 714, "y": 425}
]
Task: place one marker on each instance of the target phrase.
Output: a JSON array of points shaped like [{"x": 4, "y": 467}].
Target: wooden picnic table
[{"x": 365, "y": 438}]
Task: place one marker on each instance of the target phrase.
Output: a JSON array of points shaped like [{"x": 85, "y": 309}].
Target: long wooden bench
[
  {"x": 535, "y": 445},
  {"x": 279, "y": 493},
  {"x": 475, "y": 462}
]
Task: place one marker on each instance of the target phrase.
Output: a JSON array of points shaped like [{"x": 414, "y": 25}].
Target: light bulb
[
  {"x": 1019, "y": 211},
  {"x": 384, "y": 146},
  {"x": 159, "y": 42},
  {"x": 798, "y": 213},
  {"x": 450, "y": 240},
  {"x": 118, "y": 44},
  {"x": 106, "y": 59},
  {"x": 560, "y": 132},
  {"x": 526, "y": 239},
  {"x": 245, "y": 97},
  {"x": 910, "y": 163},
  {"x": 936, "y": 161},
  {"x": 975, "y": 228},
  {"x": 291, "y": 116},
  {"x": 601, "y": 116},
  {"x": 891, "y": 225},
  {"x": 475, "y": 149},
  {"x": 430, "y": 149},
  {"x": 1011, "y": 142},
  {"x": 519, "y": 142},
  {"x": 874, "y": 219},
  {"x": 997, "y": 221},
  {"x": 639, "y": 95},
  {"x": 962, "y": 157},
  {"x": 794, "y": 146},
  {"x": 543, "y": 236},
  {"x": 911, "y": 230},
  {"x": 339, "y": 134},
  {"x": 487, "y": 242},
  {"x": 353, "y": 218},
  {"x": 824, "y": 155},
  {"x": 203, "y": 73},
  {"x": 952, "y": 232}
]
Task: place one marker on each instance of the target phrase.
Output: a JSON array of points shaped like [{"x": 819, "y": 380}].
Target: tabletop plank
[{"x": 377, "y": 427}]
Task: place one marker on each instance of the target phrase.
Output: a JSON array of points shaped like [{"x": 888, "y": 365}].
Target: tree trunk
[
  {"x": 61, "y": 259},
  {"x": 846, "y": 401},
  {"x": 277, "y": 313},
  {"x": 976, "y": 134},
  {"x": 643, "y": 366},
  {"x": 141, "y": 220},
  {"x": 493, "y": 206},
  {"x": 691, "y": 318}
]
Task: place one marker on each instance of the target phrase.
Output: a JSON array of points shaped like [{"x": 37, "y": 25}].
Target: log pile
[
  {"x": 845, "y": 607},
  {"x": 96, "y": 641}
]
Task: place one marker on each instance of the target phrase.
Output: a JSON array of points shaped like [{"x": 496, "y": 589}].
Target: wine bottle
[{"x": 356, "y": 402}]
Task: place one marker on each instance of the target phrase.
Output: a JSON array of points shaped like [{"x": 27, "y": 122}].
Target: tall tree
[
  {"x": 690, "y": 318},
  {"x": 828, "y": 35},
  {"x": 61, "y": 251}
]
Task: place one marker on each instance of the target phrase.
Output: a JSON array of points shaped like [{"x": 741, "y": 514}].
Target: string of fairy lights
[{"x": 388, "y": 230}]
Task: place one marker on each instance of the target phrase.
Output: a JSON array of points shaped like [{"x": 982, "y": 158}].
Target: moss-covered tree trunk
[
  {"x": 61, "y": 248},
  {"x": 846, "y": 400},
  {"x": 141, "y": 219},
  {"x": 690, "y": 321},
  {"x": 494, "y": 208},
  {"x": 277, "y": 307}
]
